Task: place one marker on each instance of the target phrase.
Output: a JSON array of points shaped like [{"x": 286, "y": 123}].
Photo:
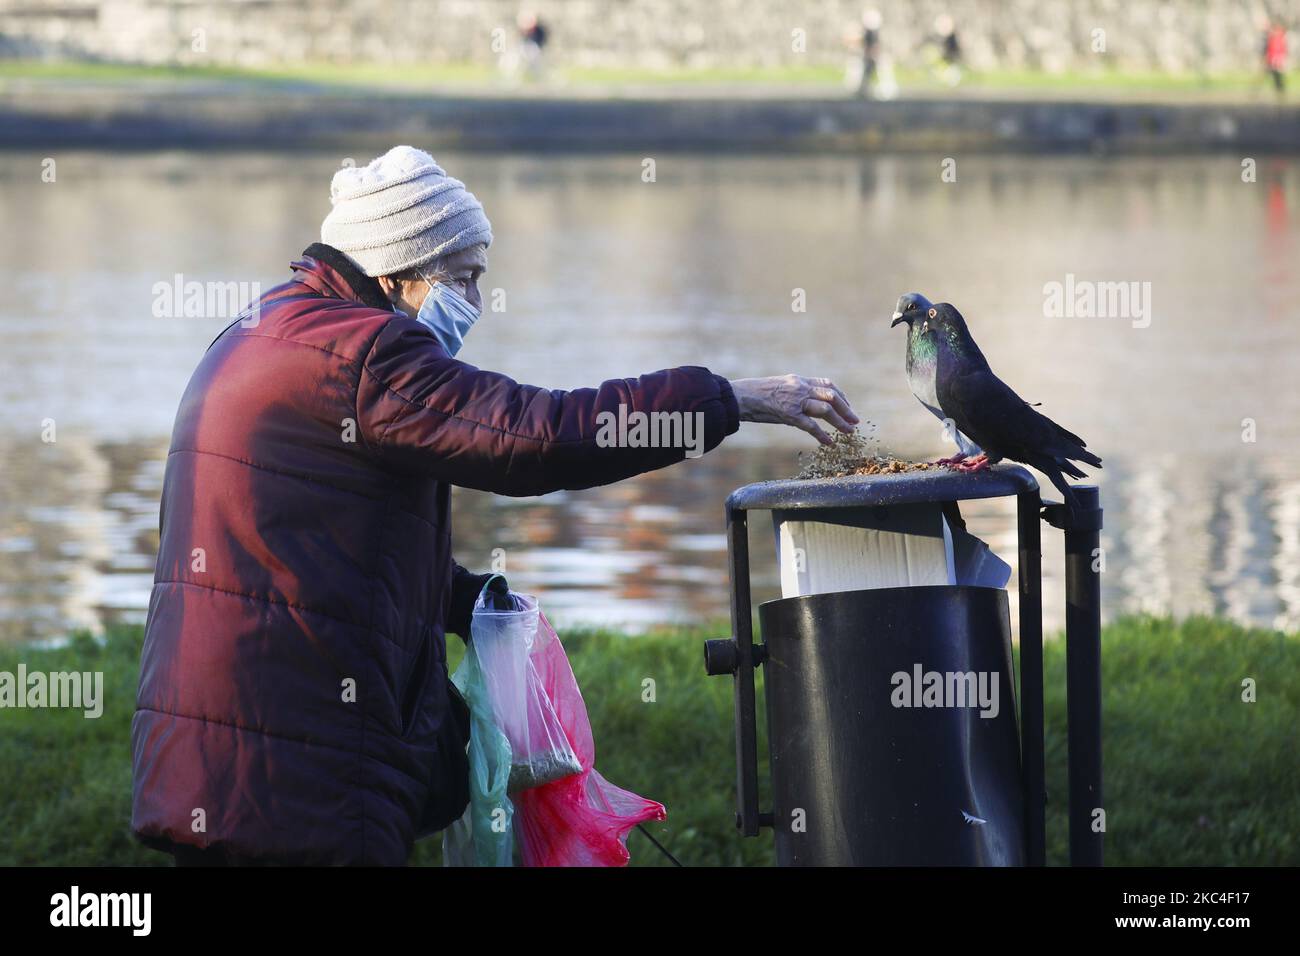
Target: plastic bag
[
  {"x": 483, "y": 835},
  {"x": 504, "y": 641},
  {"x": 581, "y": 819}
]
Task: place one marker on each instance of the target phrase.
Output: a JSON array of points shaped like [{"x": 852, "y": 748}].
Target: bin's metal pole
[
  {"x": 1083, "y": 674},
  {"x": 1031, "y": 677},
  {"x": 747, "y": 817}
]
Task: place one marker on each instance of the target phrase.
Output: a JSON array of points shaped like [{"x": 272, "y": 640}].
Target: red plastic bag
[{"x": 582, "y": 819}]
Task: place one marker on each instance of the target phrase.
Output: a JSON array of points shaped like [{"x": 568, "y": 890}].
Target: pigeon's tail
[
  {"x": 1062, "y": 486},
  {"x": 1070, "y": 445},
  {"x": 1060, "y": 454},
  {"x": 1070, "y": 468},
  {"x": 1052, "y": 468},
  {"x": 1085, "y": 456}
]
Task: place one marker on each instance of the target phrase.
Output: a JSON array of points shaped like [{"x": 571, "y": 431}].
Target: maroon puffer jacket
[{"x": 294, "y": 701}]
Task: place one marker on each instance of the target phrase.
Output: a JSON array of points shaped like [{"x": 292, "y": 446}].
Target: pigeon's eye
[
  {"x": 911, "y": 307},
  {"x": 934, "y": 313}
]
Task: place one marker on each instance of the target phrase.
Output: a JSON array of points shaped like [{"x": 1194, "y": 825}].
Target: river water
[{"x": 1192, "y": 402}]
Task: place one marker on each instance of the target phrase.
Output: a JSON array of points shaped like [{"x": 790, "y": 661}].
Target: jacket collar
[{"x": 331, "y": 272}]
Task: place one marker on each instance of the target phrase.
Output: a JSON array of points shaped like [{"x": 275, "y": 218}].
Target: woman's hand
[{"x": 794, "y": 400}]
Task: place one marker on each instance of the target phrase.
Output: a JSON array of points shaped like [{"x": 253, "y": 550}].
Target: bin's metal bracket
[
  {"x": 1061, "y": 516},
  {"x": 723, "y": 656}
]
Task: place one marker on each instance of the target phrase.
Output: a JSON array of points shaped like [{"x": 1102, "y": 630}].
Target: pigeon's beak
[{"x": 898, "y": 317}]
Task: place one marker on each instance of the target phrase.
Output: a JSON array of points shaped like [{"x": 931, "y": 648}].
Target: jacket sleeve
[{"x": 427, "y": 413}]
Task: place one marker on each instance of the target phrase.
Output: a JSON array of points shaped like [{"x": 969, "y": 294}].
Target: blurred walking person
[
  {"x": 945, "y": 30},
  {"x": 868, "y": 73},
  {"x": 532, "y": 41},
  {"x": 870, "y": 41},
  {"x": 1275, "y": 56}
]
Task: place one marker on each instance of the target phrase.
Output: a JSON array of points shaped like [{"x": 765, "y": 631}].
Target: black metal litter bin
[
  {"x": 893, "y": 742},
  {"x": 859, "y": 779}
]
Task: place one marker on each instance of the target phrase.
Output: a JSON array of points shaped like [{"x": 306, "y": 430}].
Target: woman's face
[{"x": 461, "y": 271}]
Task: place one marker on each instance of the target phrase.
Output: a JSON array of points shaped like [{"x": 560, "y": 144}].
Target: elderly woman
[{"x": 294, "y": 704}]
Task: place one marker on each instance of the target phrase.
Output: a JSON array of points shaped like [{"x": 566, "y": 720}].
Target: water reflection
[
  {"x": 605, "y": 276},
  {"x": 78, "y": 533},
  {"x": 76, "y": 548}
]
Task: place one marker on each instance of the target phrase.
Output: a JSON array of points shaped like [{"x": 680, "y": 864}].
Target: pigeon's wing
[
  {"x": 990, "y": 412},
  {"x": 1067, "y": 435},
  {"x": 986, "y": 409},
  {"x": 963, "y": 442}
]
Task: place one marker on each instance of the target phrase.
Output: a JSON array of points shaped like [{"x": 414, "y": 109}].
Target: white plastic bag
[{"x": 503, "y": 640}]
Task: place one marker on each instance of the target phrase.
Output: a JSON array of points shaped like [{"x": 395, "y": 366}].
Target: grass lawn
[
  {"x": 451, "y": 77},
  {"x": 1194, "y": 776}
]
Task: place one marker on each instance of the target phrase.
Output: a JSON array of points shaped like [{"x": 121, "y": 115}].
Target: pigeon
[
  {"x": 984, "y": 407},
  {"x": 922, "y": 368}
]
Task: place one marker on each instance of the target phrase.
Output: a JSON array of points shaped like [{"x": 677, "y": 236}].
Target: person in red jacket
[
  {"x": 1275, "y": 56},
  {"x": 294, "y": 705}
]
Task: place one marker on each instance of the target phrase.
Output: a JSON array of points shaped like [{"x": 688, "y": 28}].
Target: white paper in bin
[
  {"x": 822, "y": 551},
  {"x": 976, "y": 564}
]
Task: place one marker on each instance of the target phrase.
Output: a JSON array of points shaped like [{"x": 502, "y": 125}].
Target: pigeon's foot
[
  {"x": 949, "y": 462},
  {"x": 978, "y": 463}
]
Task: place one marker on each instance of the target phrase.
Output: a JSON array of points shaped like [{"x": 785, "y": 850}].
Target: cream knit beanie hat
[{"x": 401, "y": 211}]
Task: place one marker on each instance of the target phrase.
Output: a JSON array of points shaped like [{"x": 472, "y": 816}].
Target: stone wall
[{"x": 1055, "y": 35}]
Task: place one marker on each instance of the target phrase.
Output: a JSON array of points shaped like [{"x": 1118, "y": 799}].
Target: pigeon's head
[
  {"x": 943, "y": 318},
  {"x": 911, "y": 307}
]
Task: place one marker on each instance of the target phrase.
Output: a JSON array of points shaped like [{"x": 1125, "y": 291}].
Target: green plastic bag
[{"x": 484, "y": 836}]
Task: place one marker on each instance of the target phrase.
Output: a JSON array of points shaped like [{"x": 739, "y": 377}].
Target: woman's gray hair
[
  {"x": 436, "y": 269},
  {"x": 433, "y": 270}
]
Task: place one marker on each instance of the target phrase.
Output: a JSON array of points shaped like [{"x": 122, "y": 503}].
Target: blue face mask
[{"x": 448, "y": 314}]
